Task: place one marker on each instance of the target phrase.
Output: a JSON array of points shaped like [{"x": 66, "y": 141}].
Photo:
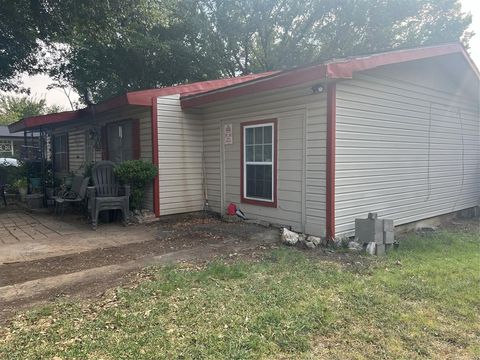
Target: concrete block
[
  {"x": 388, "y": 248},
  {"x": 387, "y": 225},
  {"x": 369, "y": 230},
  {"x": 388, "y": 237},
  {"x": 380, "y": 250}
]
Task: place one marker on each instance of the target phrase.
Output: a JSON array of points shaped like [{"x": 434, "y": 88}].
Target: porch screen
[{"x": 122, "y": 141}]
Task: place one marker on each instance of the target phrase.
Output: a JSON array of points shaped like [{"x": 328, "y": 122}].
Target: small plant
[
  {"x": 21, "y": 183},
  {"x": 137, "y": 174}
]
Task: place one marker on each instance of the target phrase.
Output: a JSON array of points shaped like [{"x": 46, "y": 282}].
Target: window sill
[{"x": 272, "y": 204}]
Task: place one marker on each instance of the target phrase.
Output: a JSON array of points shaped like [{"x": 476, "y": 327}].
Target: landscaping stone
[
  {"x": 355, "y": 246},
  {"x": 371, "y": 247},
  {"x": 315, "y": 240},
  {"x": 289, "y": 237},
  {"x": 310, "y": 245},
  {"x": 302, "y": 237}
]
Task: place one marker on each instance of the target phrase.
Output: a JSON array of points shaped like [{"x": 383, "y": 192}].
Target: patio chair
[
  {"x": 72, "y": 197},
  {"x": 72, "y": 193},
  {"x": 106, "y": 194}
]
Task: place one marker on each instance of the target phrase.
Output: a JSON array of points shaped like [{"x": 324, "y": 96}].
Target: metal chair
[
  {"x": 107, "y": 194},
  {"x": 72, "y": 197}
]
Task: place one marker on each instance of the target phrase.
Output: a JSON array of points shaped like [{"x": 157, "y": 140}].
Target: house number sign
[{"x": 228, "y": 134}]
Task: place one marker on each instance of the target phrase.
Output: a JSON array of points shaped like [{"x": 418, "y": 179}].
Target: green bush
[
  {"x": 21, "y": 183},
  {"x": 137, "y": 174},
  {"x": 9, "y": 173}
]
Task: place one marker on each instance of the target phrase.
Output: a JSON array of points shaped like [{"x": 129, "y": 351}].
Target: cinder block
[
  {"x": 388, "y": 237},
  {"x": 387, "y": 225},
  {"x": 380, "y": 250},
  {"x": 369, "y": 230},
  {"x": 388, "y": 248}
]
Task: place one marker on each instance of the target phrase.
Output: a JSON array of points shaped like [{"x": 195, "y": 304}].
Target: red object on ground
[{"x": 232, "y": 209}]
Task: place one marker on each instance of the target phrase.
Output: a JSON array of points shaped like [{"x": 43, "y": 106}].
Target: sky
[{"x": 38, "y": 84}]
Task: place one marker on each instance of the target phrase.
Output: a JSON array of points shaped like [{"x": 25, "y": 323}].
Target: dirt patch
[
  {"x": 172, "y": 235},
  {"x": 100, "y": 280}
]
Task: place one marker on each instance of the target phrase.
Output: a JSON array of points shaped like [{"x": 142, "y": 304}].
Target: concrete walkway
[{"x": 32, "y": 236}]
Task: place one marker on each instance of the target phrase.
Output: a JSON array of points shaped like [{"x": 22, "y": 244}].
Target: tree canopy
[
  {"x": 14, "y": 108},
  {"x": 115, "y": 46}
]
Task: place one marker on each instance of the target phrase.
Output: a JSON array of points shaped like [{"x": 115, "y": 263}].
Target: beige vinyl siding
[
  {"x": 297, "y": 112},
  {"x": 180, "y": 148},
  {"x": 76, "y": 150},
  {"x": 406, "y": 150},
  {"x": 316, "y": 159}
]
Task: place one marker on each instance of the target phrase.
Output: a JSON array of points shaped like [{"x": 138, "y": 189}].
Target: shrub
[
  {"x": 10, "y": 173},
  {"x": 137, "y": 174}
]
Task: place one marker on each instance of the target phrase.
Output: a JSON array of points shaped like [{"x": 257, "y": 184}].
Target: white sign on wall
[{"x": 228, "y": 134}]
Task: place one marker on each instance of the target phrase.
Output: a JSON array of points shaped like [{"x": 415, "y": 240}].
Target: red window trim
[{"x": 275, "y": 163}]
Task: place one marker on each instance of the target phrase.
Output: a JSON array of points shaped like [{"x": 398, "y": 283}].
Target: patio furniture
[
  {"x": 72, "y": 197},
  {"x": 107, "y": 194},
  {"x": 72, "y": 193}
]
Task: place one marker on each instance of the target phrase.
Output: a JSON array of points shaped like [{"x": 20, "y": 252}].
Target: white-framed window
[{"x": 259, "y": 162}]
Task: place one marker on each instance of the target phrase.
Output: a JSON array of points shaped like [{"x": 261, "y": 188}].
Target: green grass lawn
[{"x": 421, "y": 301}]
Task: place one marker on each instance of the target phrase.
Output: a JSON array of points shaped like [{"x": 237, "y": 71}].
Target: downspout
[
  {"x": 156, "y": 181},
  {"x": 331, "y": 140}
]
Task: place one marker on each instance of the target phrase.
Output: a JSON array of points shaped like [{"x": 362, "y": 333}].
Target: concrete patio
[{"x": 26, "y": 236}]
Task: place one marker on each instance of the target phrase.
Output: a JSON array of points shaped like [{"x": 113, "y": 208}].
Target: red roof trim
[
  {"x": 205, "y": 92},
  {"x": 335, "y": 69},
  {"x": 37, "y": 121},
  {"x": 275, "y": 81},
  {"x": 139, "y": 98},
  {"x": 344, "y": 69}
]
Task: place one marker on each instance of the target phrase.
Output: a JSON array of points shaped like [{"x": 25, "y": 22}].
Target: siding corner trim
[
  {"x": 331, "y": 143},
  {"x": 156, "y": 181}
]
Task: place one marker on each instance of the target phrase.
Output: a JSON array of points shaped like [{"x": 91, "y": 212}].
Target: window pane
[
  {"x": 249, "y": 153},
  {"x": 61, "y": 153},
  {"x": 249, "y": 136},
  {"x": 258, "y": 154},
  {"x": 267, "y": 153},
  {"x": 258, "y": 135},
  {"x": 259, "y": 181},
  {"x": 267, "y": 135}
]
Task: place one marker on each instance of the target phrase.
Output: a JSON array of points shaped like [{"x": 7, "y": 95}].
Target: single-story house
[{"x": 313, "y": 148}]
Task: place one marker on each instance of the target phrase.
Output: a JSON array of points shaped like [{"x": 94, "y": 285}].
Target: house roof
[
  {"x": 139, "y": 98},
  {"x": 330, "y": 70},
  {"x": 202, "y": 93},
  {"x": 5, "y": 133}
]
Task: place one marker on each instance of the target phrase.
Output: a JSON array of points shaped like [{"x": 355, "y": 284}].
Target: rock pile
[{"x": 292, "y": 238}]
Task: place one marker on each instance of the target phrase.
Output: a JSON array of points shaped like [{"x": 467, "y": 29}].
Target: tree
[
  {"x": 14, "y": 108},
  {"x": 109, "y": 47},
  {"x": 251, "y": 36},
  {"x": 25, "y": 26},
  {"x": 133, "y": 44}
]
